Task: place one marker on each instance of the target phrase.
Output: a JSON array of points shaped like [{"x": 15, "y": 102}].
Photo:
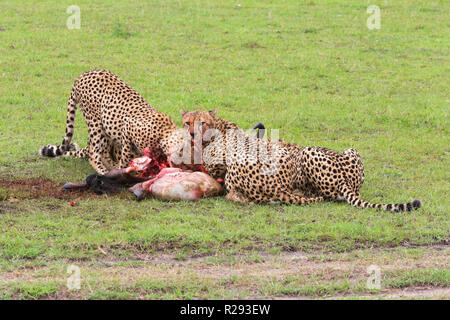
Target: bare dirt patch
[{"x": 34, "y": 188}]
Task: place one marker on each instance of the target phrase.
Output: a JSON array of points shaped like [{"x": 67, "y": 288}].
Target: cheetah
[
  {"x": 265, "y": 171},
  {"x": 120, "y": 122},
  {"x": 192, "y": 122}
]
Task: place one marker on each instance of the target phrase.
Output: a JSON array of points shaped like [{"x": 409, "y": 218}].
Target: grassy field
[{"x": 309, "y": 68}]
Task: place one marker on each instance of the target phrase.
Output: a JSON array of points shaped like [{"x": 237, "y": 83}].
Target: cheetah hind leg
[
  {"x": 108, "y": 159},
  {"x": 354, "y": 155},
  {"x": 75, "y": 152},
  {"x": 294, "y": 197}
]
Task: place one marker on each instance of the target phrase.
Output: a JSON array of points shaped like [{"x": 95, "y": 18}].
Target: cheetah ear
[
  {"x": 182, "y": 112},
  {"x": 213, "y": 113}
]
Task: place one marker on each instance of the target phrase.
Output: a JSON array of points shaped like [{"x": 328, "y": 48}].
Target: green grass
[
  {"x": 311, "y": 69},
  {"x": 29, "y": 290},
  {"x": 422, "y": 277}
]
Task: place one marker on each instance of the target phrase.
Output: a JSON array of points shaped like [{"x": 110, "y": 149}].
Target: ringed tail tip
[{"x": 416, "y": 204}]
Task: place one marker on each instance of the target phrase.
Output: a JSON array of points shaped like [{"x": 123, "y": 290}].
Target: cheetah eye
[{"x": 187, "y": 123}]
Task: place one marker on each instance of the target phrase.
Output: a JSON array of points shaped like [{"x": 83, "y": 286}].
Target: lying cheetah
[
  {"x": 261, "y": 171},
  {"x": 120, "y": 123}
]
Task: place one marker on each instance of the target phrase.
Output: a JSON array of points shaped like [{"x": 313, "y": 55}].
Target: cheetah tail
[
  {"x": 53, "y": 150},
  {"x": 355, "y": 200}
]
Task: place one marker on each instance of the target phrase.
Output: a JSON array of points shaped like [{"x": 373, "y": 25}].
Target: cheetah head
[{"x": 198, "y": 122}]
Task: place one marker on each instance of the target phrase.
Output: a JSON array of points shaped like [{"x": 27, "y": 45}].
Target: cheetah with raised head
[
  {"x": 199, "y": 122},
  {"x": 264, "y": 171},
  {"x": 120, "y": 123}
]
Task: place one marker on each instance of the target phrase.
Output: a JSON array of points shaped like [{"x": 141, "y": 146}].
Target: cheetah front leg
[
  {"x": 82, "y": 153},
  {"x": 134, "y": 139},
  {"x": 110, "y": 154},
  {"x": 126, "y": 152},
  {"x": 98, "y": 149}
]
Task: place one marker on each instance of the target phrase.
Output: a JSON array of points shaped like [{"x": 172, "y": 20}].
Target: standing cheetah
[{"x": 120, "y": 123}]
